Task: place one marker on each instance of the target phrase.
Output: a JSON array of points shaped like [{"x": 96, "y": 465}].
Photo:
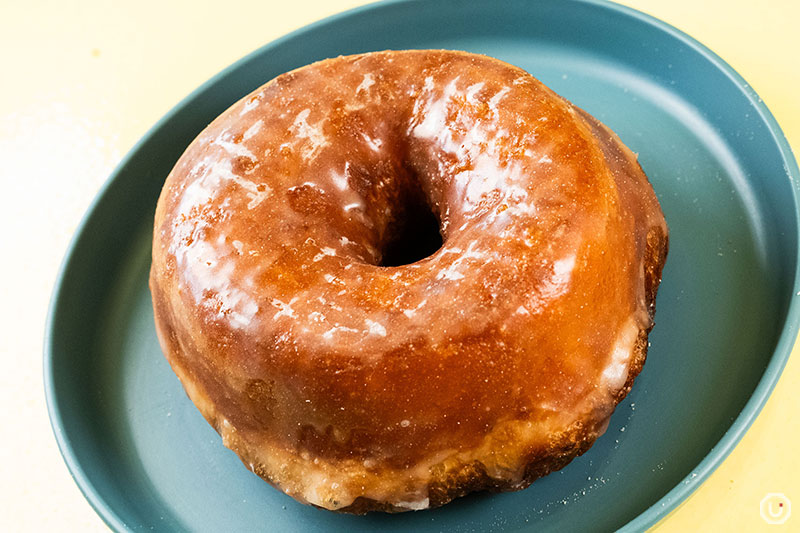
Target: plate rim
[{"x": 648, "y": 517}]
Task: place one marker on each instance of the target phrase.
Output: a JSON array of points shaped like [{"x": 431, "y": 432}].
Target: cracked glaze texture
[{"x": 354, "y": 386}]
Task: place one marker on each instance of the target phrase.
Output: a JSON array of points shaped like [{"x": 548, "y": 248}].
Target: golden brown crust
[
  {"x": 357, "y": 387},
  {"x": 474, "y": 478}
]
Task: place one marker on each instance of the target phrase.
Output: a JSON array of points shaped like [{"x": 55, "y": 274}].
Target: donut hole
[{"x": 416, "y": 237}]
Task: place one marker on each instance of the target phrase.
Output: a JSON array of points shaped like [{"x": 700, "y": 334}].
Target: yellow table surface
[{"x": 82, "y": 81}]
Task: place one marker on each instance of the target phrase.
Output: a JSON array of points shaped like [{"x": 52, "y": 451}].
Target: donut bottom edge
[{"x": 453, "y": 475}]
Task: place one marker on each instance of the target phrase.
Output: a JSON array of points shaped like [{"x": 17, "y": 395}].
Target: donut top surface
[{"x": 272, "y": 229}]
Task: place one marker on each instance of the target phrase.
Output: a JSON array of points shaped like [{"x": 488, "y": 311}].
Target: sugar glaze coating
[{"x": 352, "y": 386}]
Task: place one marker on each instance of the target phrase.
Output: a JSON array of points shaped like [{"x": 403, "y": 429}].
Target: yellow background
[{"x": 80, "y": 82}]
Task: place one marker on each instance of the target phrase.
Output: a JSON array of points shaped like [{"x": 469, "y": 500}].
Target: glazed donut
[{"x": 355, "y": 384}]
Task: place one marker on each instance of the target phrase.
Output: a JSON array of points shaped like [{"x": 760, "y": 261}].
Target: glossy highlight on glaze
[{"x": 354, "y": 386}]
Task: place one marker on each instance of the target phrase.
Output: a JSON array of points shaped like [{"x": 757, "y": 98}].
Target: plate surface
[{"x": 726, "y": 322}]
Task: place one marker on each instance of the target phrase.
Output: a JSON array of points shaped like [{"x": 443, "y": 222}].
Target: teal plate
[{"x": 727, "y": 313}]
